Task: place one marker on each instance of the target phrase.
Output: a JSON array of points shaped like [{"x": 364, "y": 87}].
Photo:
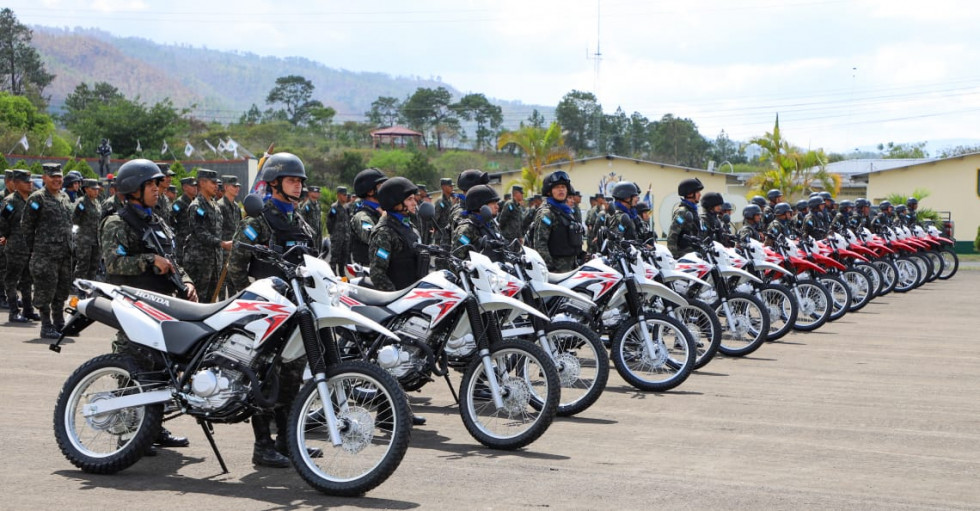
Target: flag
[
  {"x": 188, "y": 149},
  {"x": 211, "y": 147},
  {"x": 231, "y": 145},
  {"x": 48, "y": 141},
  {"x": 646, "y": 198},
  {"x": 139, "y": 148},
  {"x": 78, "y": 142},
  {"x": 23, "y": 141},
  {"x": 221, "y": 145},
  {"x": 163, "y": 151}
]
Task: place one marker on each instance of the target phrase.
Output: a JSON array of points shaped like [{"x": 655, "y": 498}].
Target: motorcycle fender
[
  {"x": 679, "y": 275},
  {"x": 804, "y": 265},
  {"x": 658, "y": 289},
  {"x": 138, "y": 326},
  {"x": 826, "y": 261},
  {"x": 492, "y": 302},
  {"x": 772, "y": 267},
  {"x": 742, "y": 274},
  {"x": 547, "y": 290},
  {"x": 849, "y": 253},
  {"x": 329, "y": 316}
]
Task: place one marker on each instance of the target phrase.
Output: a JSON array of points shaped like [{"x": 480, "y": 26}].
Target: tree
[
  {"x": 21, "y": 71},
  {"x": 578, "y": 113},
  {"x": 535, "y": 120},
  {"x": 384, "y": 112},
  {"x": 898, "y": 151},
  {"x": 429, "y": 109},
  {"x": 677, "y": 141},
  {"x": 724, "y": 149},
  {"x": 792, "y": 170},
  {"x": 420, "y": 171},
  {"x": 296, "y": 92},
  {"x": 616, "y": 134},
  {"x": 488, "y": 117},
  {"x": 639, "y": 135},
  {"x": 959, "y": 150},
  {"x": 20, "y": 117},
  {"x": 539, "y": 147}
]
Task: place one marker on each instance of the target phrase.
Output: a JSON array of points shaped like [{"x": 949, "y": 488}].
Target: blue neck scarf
[
  {"x": 369, "y": 203},
  {"x": 402, "y": 219},
  {"x": 476, "y": 217},
  {"x": 629, "y": 211},
  {"x": 284, "y": 206},
  {"x": 690, "y": 204},
  {"x": 560, "y": 205}
]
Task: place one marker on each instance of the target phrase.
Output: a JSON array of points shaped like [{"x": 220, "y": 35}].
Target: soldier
[
  {"x": 131, "y": 262},
  {"x": 395, "y": 262},
  {"x": 751, "y": 224},
  {"x": 644, "y": 230},
  {"x": 829, "y": 209},
  {"x": 47, "y": 228},
  {"x": 162, "y": 209},
  {"x": 72, "y": 183},
  {"x": 802, "y": 209},
  {"x": 171, "y": 194},
  {"x": 862, "y": 219},
  {"x": 313, "y": 214},
  {"x": 711, "y": 217},
  {"x": 338, "y": 225},
  {"x": 686, "y": 223},
  {"x": 424, "y": 225},
  {"x": 178, "y": 213},
  {"x": 86, "y": 215},
  {"x": 511, "y": 214},
  {"x": 467, "y": 179},
  {"x": 813, "y": 224},
  {"x": 113, "y": 203},
  {"x": 104, "y": 151},
  {"x": 8, "y": 188},
  {"x": 231, "y": 218},
  {"x": 556, "y": 235},
  {"x": 594, "y": 220},
  {"x": 775, "y": 196},
  {"x": 365, "y": 214},
  {"x": 842, "y": 220},
  {"x": 477, "y": 225},
  {"x": 529, "y": 214},
  {"x": 203, "y": 247},
  {"x": 726, "y": 221},
  {"x": 444, "y": 207},
  {"x": 913, "y": 216},
  {"x": 576, "y": 198},
  {"x": 781, "y": 226},
  {"x": 17, "y": 276},
  {"x": 281, "y": 227},
  {"x": 622, "y": 218}
]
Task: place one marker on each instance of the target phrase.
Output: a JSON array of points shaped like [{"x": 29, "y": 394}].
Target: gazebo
[{"x": 399, "y": 132}]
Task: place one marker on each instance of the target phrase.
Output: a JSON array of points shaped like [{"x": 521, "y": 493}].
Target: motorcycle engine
[
  {"x": 405, "y": 361},
  {"x": 215, "y": 385}
]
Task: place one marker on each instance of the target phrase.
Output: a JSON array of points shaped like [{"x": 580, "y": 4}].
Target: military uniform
[
  {"x": 443, "y": 218},
  {"x": 17, "y": 275},
  {"x": 813, "y": 225},
  {"x": 272, "y": 228},
  {"x": 557, "y": 237},
  {"x": 622, "y": 222},
  {"x": 231, "y": 217},
  {"x": 395, "y": 263},
  {"x": 362, "y": 222},
  {"x": 203, "y": 256},
  {"x": 711, "y": 224},
  {"x": 595, "y": 220},
  {"x": 178, "y": 217},
  {"x": 7, "y": 190},
  {"x": 313, "y": 214},
  {"x": 749, "y": 231},
  {"x": 47, "y": 228},
  {"x": 470, "y": 230},
  {"x": 880, "y": 222},
  {"x": 840, "y": 222},
  {"x": 86, "y": 215},
  {"x": 778, "y": 229},
  {"x": 510, "y": 219},
  {"x": 338, "y": 225},
  {"x": 685, "y": 222},
  {"x": 108, "y": 207}
]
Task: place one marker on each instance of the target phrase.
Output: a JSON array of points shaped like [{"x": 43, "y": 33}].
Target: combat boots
[
  {"x": 16, "y": 316},
  {"x": 264, "y": 453},
  {"x": 47, "y": 328},
  {"x": 29, "y": 312},
  {"x": 58, "y": 318}
]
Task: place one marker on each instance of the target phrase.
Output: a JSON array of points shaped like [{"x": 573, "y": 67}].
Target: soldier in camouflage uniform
[
  {"x": 474, "y": 226},
  {"x": 178, "y": 213},
  {"x": 162, "y": 209},
  {"x": 423, "y": 225},
  {"x": 621, "y": 220},
  {"x": 530, "y": 213},
  {"x": 726, "y": 221},
  {"x": 47, "y": 228},
  {"x": 775, "y": 196},
  {"x": 231, "y": 218},
  {"x": 644, "y": 229},
  {"x": 685, "y": 223},
  {"x": 395, "y": 262},
  {"x": 365, "y": 214},
  {"x": 466, "y": 180},
  {"x": 338, "y": 225},
  {"x": 113, "y": 203},
  {"x": 86, "y": 215},
  {"x": 8, "y": 188},
  {"x": 556, "y": 234},
  {"x": 17, "y": 275},
  {"x": 313, "y": 214},
  {"x": 796, "y": 221},
  {"x": 813, "y": 224},
  {"x": 883, "y": 219},
  {"x": 842, "y": 220},
  {"x": 204, "y": 249},
  {"x": 512, "y": 214},
  {"x": 711, "y": 217},
  {"x": 782, "y": 224},
  {"x": 862, "y": 218},
  {"x": 171, "y": 194},
  {"x": 443, "y": 209},
  {"x": 595, "y": 219},
  {"x": 752, "y": 223}
]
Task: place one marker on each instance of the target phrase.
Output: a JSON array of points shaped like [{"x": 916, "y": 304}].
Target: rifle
[
  {"x": 153, "y": 243},
  {"x": 221, "y": 278}
]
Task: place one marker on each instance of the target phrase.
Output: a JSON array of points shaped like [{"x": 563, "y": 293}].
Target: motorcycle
[{"x": 349, "y": 425}]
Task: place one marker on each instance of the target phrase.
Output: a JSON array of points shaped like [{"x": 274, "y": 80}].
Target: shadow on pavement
[{"x": 426, "y": 439}]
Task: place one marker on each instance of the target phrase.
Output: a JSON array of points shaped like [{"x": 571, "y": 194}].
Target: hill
[{"x": 222, "y": 84}]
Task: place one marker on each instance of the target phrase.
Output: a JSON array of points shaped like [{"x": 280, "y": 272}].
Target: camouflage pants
[
  {"x": 17, "y": 277},
  {"x": 564, "y": 264},
  {"x": 203, "y": 268},
  {"x": 51, "y": 271},
  {"x": 339, "y": 255},
  {"x": 86, "y": 261}
]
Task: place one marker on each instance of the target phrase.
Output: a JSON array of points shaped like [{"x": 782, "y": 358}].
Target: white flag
[
  {"x": 221, "y": 145},
  {"x": 139, "y": 148},
  {"x": 188, "y": 149},
  {"x": 23, "y": 142},
  {"x": 165, "y": 147},
  {"x": 211, "y": 147},
  {"x": 78, "y": 142},
  {"x": 231, "y": 145},
  {"x": 48, "y": 141}
]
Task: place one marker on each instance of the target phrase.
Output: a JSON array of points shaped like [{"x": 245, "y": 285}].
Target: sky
[{"x": 840, "y": 74}]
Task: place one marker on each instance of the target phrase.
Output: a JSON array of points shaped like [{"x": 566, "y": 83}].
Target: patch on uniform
[
  {"x": 333, "y": 211},
  {"x": 176, "y": 207},
  {"x": 251, "y": 233},
  {"x": 510, "y": 207},
  {"x": 382, "y": 253},
  {"x": 10, "y": 207},
  {"x": 81, "y": 207},
  {"x": 546, "y": 220},
  {"x": 621, "y": 228},
  {"x": 366, "y": 226},
  {"x": 121, "y": 250},
  {"x": 35, "y": 206},
  {"x": 463, "y": 240},
  {"x": 680, "y": 220},
  {"x": 201, "y": 212}
]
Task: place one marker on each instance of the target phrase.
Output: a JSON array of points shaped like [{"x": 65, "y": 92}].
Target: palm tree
[
  {"x": 792, "y": 170},
  {"x": 539, "y": 147}
]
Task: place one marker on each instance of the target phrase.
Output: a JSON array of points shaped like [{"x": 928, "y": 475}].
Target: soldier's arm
[
  {"x": 380, "y": 249},
  {"x": 674, "y": 235},
  {"x": 361, "y": 225},
  {"x": 117, "y": 247},
  {"x": 199, "y": 228},
  {"x": 32, "y": 212},
  {"x": 462, "y": 238},
  {"x": 250, "y": 233},
  {"x": 542, "y": 232}
]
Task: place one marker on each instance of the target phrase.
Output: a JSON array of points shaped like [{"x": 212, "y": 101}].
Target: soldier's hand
[
  {"x": 191, "y": 293},
  {"x": 226, "y": 246},
  {"x": 162, "y": 265},
  {"x": 3, "y": 241}
]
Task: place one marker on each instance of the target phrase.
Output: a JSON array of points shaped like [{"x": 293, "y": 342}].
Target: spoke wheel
[
  {"x": 782, "y": 309},
  {"x": 664, "y": 367},
  {"x": 861, "y": 288},
  {"x": 889, "y": 274},
  {"x": 840, "y": 295},
  {"x": 907, "y": 276},
  {"x": 814, "y": 301},
  {"x": 704, "y": 327},
  {"x": 873, "y": 275},
  {"x": 582, "y": 364},
  {"x": 951, "y": 263},
  {"x": 746, "y": 328}
]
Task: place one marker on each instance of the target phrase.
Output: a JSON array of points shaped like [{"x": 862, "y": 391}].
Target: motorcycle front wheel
[
  {"x": 374, "y": 422},
  {"x": 937, "y": 263},
  {"x": 703, "y": 325},
  {"x": 861, "y": 287},
  {"x": 907, "y": 276},
  {"x": 889, "y": 274},
  {"x": 744, "y": 327},
  {"x": 873, "y": 275},
  {"x": 840, "y": 295},
  {"x": 108, "y": 442},
  {"x": 667, "y": 366},
  {"x": 815, "y": 307},
  {"x": 951, "y": 263},
  {"x": 582, "y": 364},
  {"x": 530, "y": 390},
  {"x": 782, "y": 308}
]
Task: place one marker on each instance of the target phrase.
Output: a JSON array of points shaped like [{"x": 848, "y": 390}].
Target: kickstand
[
  {"x": 451, "y": 389},
  {"x": 208, "y": 430}
]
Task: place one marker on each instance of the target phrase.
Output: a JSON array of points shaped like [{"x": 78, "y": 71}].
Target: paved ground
[{"x": 879, "y": 410}]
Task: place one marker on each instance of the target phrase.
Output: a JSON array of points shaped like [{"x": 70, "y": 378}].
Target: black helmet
[
  {"x": 366, "y": 180},
  {"x": 711, "y": 199},
  {"x": 782, "y": 208},
  {"x": 801, "y": 205},
  {"x": 727, "y": 206},
  {"x": 884, "y": 205},
  {"x": 862, "y": 202},
  {"x": 911, "y": 201},
  {"x": 900, "y": 209},
  {"x": 759, "y": 200},
  {"x": 283, "y": 165},
  {"x": 846, "y": 204},
  {"x": 642, "y": 207},
  {"x": 826, "y": 196},
  {"x": 470, "y": 178},
  {"x": 774, "y": 194},
  {"x": 689, "y": 186},
  {"x": 478, "y": 196},
  {"x": 814, "y": 202},
  {"x": 558, "y": 177},
  {"x": 393, "y": 191},
  {"x": 749, "y": 212},
  {"x": 624, "y": 190},
  {"x": 71, "y": 178},
  {"x": 134, "y": 173}
]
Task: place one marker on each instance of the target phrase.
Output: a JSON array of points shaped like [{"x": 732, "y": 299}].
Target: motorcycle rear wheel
[
  {"x": 815, "y": 307},
  {"x": 375, "y": 425},
  {"x": 873, "y": 275},
  {"x": 861, "y": 287},
  {"x": 110, "y": 442},
  {"x": 840, "y": 295},
  {"x": 530, "y": 390},
  {"x": 782, "y": 308},
  {"x": 748, "y": 327},
  {"x": 937, "y": 261},
  {"x": 671, "y": 363},
  {"x": 951, "y": 263}
]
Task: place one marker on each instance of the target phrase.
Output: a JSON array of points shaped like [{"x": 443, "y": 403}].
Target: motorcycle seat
[
  {"x": 554, "y": 278},
  {"x": 367, "y": 295},
  {"x": 180, "y": 310}
]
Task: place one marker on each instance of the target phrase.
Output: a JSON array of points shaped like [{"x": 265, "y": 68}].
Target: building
[{"x": 953, "y": 185}]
